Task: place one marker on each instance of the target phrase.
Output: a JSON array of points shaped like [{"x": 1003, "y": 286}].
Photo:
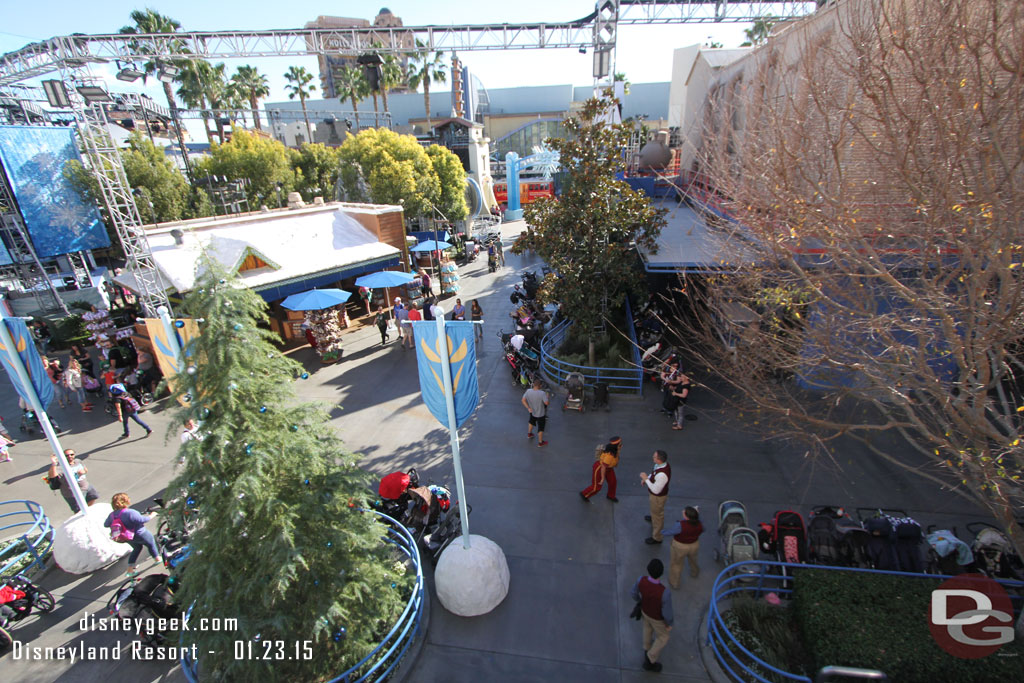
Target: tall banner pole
[
  {"x": 453, "y": 429},
  {"x": 37, "y": 406}
]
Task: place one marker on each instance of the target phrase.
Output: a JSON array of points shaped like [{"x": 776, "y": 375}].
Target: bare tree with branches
[{"x": 871, "y": 162}]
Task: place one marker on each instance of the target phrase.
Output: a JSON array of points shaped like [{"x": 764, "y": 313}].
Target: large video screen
[{"x": 57, "y": 219}]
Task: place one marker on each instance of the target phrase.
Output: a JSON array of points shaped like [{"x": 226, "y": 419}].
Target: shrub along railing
[
  {"x": 619, "y": 380},
  {"x": 25, "y": 532},
  {"x": 757, "y": 578}
]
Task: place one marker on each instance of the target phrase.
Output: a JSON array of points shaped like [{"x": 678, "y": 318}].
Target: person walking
[
  {"x": 401, "y": 315},
  {"x": 381, "y": 321},
  {"x": 425, "y": 283},
  {"x": 607, "y": 457},
  {"x": 79, "y": 470},
  {"x": 60, "y": 390},
  {"x": 135, "y": 523},
  {"x": 458, "y": 310},
  {"x": 657, "y": 493},
  {"x": 685, "y": 545},
  {"x": 73, "y": 384},
  {"x": 127, "y": 407},
  {"x": 364, "y": 294},
  {"x": 5, "y": 444},
  {"x": 536, "y": 400},
  {"x": 477, "y": 316},
  {"x": 414, "y": 316},
  {"x": 655, "y": 611}
]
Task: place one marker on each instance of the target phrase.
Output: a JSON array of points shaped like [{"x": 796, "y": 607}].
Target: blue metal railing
[
  {"x": 622, "y": 380},
  {"x": 33, "y": 529},
  {"x": 381, "y": 662},
  {"x": 757, "y": 578}
]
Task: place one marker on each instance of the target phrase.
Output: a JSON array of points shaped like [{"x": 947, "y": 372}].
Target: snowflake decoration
[{"x": 545, "y": 160}]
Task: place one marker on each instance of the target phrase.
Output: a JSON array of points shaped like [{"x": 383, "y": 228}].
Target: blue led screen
[{"x": 57, "y": 219}]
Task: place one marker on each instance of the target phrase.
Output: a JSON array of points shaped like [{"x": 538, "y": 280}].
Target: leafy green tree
[
  {"x": 148, "y": 170},
  {"x": 316, "y": 170},
  {"x": 395, "y": 168},
  {"x": 588, "y": 235},
  {"x": 252, "y": 86},
  {"x": 426, "y": 69},
  {"x": 451, "y": 175},
  {"x": 353, "y": 84},
  {"x": 300, "y": 85},
  {"x": 151, "y": 21},
  {"x": 263, "y": 161},
  {"x": 281, "y": 543}
]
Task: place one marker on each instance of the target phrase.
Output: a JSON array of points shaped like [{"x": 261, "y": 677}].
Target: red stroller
[{"x": 785, "y": 536}]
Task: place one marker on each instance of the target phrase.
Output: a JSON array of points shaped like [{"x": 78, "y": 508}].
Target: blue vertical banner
[
  {"x": 461, "y": 350},
  {"x": 26, "y": 348}
]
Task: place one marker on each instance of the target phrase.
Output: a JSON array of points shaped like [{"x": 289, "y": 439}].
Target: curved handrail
[
  {"x": 737, "y": 578},
  {"x": 389, "y": 652},
  {"x": 622, "y": 379},
  {"x": 38, "y": 536}
]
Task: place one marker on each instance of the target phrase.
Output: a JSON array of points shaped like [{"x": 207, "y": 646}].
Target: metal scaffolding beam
[
  {"x": 50, "y": 55},
  {"x": 105, "y": 162}
]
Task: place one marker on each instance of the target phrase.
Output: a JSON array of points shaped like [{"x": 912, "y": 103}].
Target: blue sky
[{"x": 644, "y": 52}]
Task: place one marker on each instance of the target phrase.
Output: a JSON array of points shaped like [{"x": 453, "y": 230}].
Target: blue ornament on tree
[
  {"x": 263, "y": 409},
  {"x": 204, "y": 413},
  {"x": 304, "y": 375},
  {"x": 294, "y": 428},
  {"x": 339, "y": 634},
  {"x": 191, "y": 484},
  {"x": 232, "y": 386},
  {"x": 179, "y": 324},
  {"x": 190, "y": 501},
  {"x": 248, "y": 449},
  {"x": 237, "y": 327}
]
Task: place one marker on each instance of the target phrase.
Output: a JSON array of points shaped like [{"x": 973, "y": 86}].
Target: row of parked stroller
[{"x": 877, "y": 538}]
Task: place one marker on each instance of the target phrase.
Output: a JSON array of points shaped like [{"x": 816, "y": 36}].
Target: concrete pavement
[{"x": 572, "y": 564}]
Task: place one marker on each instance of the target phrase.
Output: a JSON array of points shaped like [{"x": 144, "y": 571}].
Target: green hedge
[{"x": 881, "y": 622}]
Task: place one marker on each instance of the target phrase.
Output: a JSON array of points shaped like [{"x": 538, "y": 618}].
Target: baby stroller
[
  {"x": 731, "y": 515},
  {"x": 19, "y": 598},
  {"x": 146, "y": 601},
  {"x": 30, "y": 422},
  {"x": 785, "y": 536},
  {"x": 994, "y": 555},
  {"x": 395, "y": 498},
  {"x": 824, "y": 540},
  {"x": 576, "y": 400},
  {"x": 947, "y": 554},
  {"x": 738, "y": 541}
]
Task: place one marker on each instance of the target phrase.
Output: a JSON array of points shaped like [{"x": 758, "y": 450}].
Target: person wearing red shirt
[
  {"x": 685, "y": 545},
  {"x": 656, "y": 612},
  {"x": 414, "y": 316}
]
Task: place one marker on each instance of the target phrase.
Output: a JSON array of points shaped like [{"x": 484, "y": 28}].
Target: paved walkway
[{"x": 572, "y": 563}]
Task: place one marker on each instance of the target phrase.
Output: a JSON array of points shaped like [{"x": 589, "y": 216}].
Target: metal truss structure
[
  {"x": 105, "y": 162},
  {"x": 46, "y": 56},
  {"x": 72, "y": 55}
]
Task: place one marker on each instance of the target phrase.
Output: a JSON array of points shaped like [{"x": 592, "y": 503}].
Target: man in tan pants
[
  {"x": 657, "y": 489},
  {"x": 685, "y": 545},
  {"x": 656, "y": 612}
]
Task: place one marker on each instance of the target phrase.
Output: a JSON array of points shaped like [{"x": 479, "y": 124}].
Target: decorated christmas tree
[
  {"x": 327, "y": 329},
  {"x": 282, "y": 544}
]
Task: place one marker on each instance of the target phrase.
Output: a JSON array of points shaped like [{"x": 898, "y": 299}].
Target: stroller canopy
[{"x": 393, "y": 485}]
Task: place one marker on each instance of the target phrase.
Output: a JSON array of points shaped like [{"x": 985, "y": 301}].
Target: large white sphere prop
[
  {"x": 82, "y": 544},
  {"x": 473, "y": 581}
]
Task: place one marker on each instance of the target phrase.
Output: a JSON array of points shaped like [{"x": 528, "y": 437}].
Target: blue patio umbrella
[
  {"x": 385, "y": 279},
  {"x": 315, "y": 299},
  {"x": 431, "y": 245}
]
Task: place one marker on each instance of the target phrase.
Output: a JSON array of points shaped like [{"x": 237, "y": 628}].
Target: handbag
[{"x": 635, "y": 614}]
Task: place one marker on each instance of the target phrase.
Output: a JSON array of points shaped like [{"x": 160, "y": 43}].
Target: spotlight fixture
[
  {"x": 93, "y": 94},
  {"x": 168, "y": 72},
  {"x": 128, "y": 73},
  {"x": 583, "y": 49},
  {"x": 56, "y": 93}
]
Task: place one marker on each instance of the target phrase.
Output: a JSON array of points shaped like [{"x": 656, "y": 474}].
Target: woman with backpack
[{"x": 129, "y": 526}]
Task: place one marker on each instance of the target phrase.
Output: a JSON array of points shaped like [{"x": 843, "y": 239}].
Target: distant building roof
[{"x": 688, "y": 243}]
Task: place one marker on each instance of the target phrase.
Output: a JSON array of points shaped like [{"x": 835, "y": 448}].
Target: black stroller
[
  {"x": 994, "y": 555},
  {"x": 20, "y": 598},
  {"x": 146, "y": 601}
]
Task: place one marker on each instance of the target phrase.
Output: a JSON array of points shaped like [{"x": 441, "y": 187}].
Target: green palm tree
[
  {"x": 196, "y": 79},
  {"x": 392, "y": 75},
  {"x": 221, "y": 96},
  {"x": 426, "y": 69},
  {"x": 252, "y": 86},
  {"x": 299, "y": 86},
  {"x": 352, "y": 82},
  {"x": 151, "y": 21}
]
